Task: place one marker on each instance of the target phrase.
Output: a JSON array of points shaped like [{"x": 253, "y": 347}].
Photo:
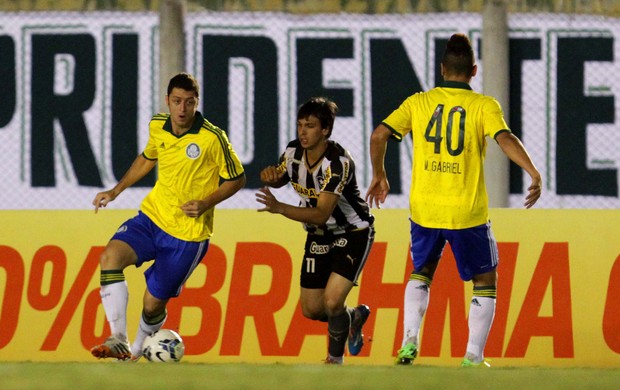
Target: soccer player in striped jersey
[
  {"x": 448, "y": 198},
  {"x": 338, "y": 222},
  {"x": 197, "y": 169}
]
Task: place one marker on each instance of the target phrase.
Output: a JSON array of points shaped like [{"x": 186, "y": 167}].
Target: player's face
[
  {"x": 310, "y": 133},
  {"x": 183, "y": 105}
]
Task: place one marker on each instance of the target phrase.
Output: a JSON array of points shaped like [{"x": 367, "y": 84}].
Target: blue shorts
[
  {"x": 174, "y": 259},
  {"x": 475, "y": 249}
]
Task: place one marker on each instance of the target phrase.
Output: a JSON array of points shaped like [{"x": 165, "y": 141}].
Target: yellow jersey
[
  {"x": 190, "y": 167},
  {"x": 449, "y": 126}
]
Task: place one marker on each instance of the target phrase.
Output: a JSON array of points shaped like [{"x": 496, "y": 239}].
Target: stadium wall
[
  {"x": 80, "y": 89},
  {"x": 559, "y": 288}
]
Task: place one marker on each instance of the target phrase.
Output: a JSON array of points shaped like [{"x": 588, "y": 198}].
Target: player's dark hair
[
  {"x": 324, "y": 109},
  {"x": 458, "y": 58},
  {"x": 184, "y": 81}
]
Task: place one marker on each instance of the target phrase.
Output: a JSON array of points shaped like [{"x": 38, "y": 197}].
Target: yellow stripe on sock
[
  {"x": 421, "y": 277},
  {"x": 486, "y": 292},
  {"x": 111, "y": 276}
]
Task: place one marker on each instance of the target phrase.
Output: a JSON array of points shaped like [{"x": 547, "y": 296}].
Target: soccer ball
[{"x": 163, "y": 346}]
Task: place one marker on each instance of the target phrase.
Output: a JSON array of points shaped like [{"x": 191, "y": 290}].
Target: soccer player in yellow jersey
[
  {"x": 175, "y": 221},
  {"x": 448, "y": 198}
]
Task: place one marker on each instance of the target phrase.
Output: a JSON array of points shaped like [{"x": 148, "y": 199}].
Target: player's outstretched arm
[
  {"x": 138, "y": 169},
  {"x": 315, "y": 215},
  {"x": 379, "y": 185},
  {"x": 514, "y": 149}
]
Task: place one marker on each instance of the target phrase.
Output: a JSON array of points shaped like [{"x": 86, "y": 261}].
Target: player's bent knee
[
  {"x": 154, "y": 316},
  {"x": 486, "y": 279},
  {"x": 334, "y": 308},
  {"x": 108, "y": 260},
  {"x": 314, "y": 314},
  {"x": 117, "y": 255}
]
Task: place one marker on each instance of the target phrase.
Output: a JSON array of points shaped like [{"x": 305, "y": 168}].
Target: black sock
[{"x": 338, "y": 329}]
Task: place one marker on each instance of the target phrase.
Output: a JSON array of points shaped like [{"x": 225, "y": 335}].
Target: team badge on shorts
[
  {"x": 122, "y": 229},
  {"x": 192, "y": 151}
]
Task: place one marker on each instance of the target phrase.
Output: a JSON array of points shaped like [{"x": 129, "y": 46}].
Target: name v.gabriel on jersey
[{"x": 443, "y": 167}]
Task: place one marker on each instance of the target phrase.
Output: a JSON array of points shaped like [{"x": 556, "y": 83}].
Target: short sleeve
[
  {"x": 150, "y": 150},
  {"x": 226, "y": 158},
  {"x": 400, "y": 120},
  {"x": 493, "y": 118}
]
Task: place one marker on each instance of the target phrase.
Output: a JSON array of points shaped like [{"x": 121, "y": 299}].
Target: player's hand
[
  {"x": 377, "y": 191},
  {"x": 534, "y": 192},
  {"x": 271, "y": 176},
  {"x": 194, "y": 208},
  {"x": 103, "y": 198},
  {"x": 265, "y": 197}
]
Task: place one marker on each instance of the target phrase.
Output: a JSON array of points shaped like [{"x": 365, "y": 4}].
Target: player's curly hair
[
  {"x": 321, "y": 107},
  {"x": 458, "y": 58}
]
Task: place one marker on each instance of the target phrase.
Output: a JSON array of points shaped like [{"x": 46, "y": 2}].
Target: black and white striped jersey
[{"x": 335, "y": 173}]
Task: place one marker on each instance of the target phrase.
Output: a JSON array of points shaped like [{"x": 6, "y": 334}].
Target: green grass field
[{"x": 109, "y": 375}]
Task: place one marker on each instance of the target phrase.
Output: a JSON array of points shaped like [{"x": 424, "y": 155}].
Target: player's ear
[{"x": 474, "y": 70}]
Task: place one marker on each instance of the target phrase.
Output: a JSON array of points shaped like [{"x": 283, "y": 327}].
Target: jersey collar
[
  {"x": 198, "y": 121},
  {"x": 455, "y": 84}
]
